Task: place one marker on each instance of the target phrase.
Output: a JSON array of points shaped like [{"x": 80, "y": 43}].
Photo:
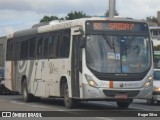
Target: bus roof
[
  {"x": 154, "y": 27},
  {"x": 63, "y": 24}
]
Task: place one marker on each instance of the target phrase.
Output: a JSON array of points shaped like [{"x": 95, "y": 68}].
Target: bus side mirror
[{"x": 82, "y": 42}]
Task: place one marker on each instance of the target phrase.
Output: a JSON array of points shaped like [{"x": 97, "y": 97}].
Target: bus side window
[
  {"x": 45, "y": 48},
  {"x": 16, "y": 48},
  {"x": 65, "y": 44},
  {"x": 40, "y": 46},
  {"x": 1, "y": 54},
  {"x": 51, "y": 46},
  {"x": 32, "y": 47},
  {"x": 24, "y": 49},
  {"x": 9, "y": 50}
]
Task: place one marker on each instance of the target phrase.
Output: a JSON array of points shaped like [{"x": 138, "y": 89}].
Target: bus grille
[
  {"x": 112, "y": 93},
  {"x": 156, "y": 93}
]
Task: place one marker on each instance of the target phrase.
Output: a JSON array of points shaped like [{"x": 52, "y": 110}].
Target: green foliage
[
  {"x": 152, "y": 19},
  {"x": 49, "y": 18},
  {"x": 75, "y": 15},
  {"x": 70, "y": 16},
  {"x": 156, "y": 48}
]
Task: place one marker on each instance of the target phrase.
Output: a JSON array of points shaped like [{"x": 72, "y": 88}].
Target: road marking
[
  {"x": 104, "y": 118},
  {"x": 20, "y": 103},
  {"x": 105, "y": 103},
  {"x": 15, "y": 102},
  {"x": 61, "y": 110},
  {"x": 38, "y": 106},
  {"x": 139, "y": 108}
]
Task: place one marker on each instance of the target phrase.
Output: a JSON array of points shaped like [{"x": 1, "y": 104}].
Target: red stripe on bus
[{"x": 111, "y": 84}]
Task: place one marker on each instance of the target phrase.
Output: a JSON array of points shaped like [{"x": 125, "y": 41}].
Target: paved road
[{"x": 16, "y": 103}]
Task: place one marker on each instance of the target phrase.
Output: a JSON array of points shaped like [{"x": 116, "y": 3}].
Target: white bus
[
  {"x": 155, "y": 36},
  {"x": 155, "y": 32},
  {"x": 3, "y": 42},
  {"x": 83, "y": 59}
]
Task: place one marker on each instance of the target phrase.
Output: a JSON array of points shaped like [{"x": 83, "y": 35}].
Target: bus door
[
  {"x": 39, "y": 84},
  {"x": 76, "y": 66},
  {"x": 15, "y": 75}
]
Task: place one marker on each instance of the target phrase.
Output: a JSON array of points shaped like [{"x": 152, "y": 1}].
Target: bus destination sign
[
  {"x": 114, "y": 26},
  {"x": 117, "y": 26}
]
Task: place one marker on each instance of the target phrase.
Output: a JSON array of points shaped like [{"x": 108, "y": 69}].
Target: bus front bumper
[
  {"x": 156, "y": 96},
  {"x": 106, "y": 93}
]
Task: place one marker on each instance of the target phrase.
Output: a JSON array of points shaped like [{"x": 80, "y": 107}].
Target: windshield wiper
[{"x": 108, "y": 42}]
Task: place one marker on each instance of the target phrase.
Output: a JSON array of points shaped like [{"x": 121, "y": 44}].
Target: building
[
  {"x": 158, "y": 17},
  {"x": 3, "y": 42}
]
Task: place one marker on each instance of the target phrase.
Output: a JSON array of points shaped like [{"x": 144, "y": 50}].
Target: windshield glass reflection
[{"x": 118, "y": 54}]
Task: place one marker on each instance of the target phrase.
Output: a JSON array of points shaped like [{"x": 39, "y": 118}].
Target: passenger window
[
  {"x": 51, "y": 46},
  {"x": 24, "y": 49},
  {"x": 40, "y": 47},
  {"x": 65, "y": 44},
  {"x": 45, "y": 49},
  {"x": 32, "y": 47},
  {"x": 9, "y": 50}
]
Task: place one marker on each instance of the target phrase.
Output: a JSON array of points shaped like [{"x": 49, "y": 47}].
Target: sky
[{"x": 22, "y": 14}]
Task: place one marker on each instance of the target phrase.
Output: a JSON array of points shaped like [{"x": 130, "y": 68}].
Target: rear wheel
[
  {"x": 68, "y": 102},
  {"x": 26, "y": 96}
]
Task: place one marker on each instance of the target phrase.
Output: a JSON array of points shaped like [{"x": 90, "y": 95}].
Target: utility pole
[{"x": 112, "y": 8}]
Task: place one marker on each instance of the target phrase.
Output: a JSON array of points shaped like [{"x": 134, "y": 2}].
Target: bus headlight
[
  {"x": 90, "y": 81},
  {"x": 149, "y": 82},
  {"x": 157, "y": 89},
  {"x": 150, "y": 78}
]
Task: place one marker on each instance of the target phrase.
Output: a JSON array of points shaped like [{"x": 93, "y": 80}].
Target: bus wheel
[
  {"x": 26, "y": 96},
  {"x": 123, "y": 104},
  {"x": 68, "y": 102}
]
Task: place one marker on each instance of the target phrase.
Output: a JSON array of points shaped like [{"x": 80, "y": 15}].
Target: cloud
[
  {"x": 54, "y": 7},
  {"x": 139, "y": 9},
  {"x": 61, "y": 7},
  {"x": 14, "y": 5},
  {"x": 9, "y": 29},
  {"x": 17, "y": 13}
]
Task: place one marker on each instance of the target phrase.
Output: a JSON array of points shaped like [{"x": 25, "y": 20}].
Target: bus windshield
[
  {"x": 118, "y": 54},
  {"x": 157, "y": 75}
]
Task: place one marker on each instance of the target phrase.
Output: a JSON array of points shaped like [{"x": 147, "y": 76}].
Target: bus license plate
[{"x": 121, "y": 96}]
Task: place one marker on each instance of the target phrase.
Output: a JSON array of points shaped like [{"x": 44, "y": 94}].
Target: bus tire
[
  {"x": 68, "y": 102},
  {"x": 124, "y": 104},
  {"x": 26, "y": 96}
]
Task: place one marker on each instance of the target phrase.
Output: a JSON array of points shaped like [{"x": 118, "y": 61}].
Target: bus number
[{"x": 121, "y": 26}]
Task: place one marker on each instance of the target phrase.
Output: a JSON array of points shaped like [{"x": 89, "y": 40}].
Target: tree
[
  {"x": 70, "y": 16},
  {"x": 156, "y": 48},
  {"x": 75, "y": 15},
  {"x": 49, "y": 18},
  {"x": 152, "y": 19},
  {"x": 107, "y": 13}
]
